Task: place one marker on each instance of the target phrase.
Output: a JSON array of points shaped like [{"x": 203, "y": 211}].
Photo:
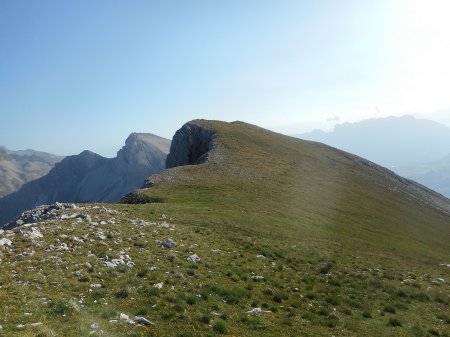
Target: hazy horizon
[{"x": 83, "y": 75}]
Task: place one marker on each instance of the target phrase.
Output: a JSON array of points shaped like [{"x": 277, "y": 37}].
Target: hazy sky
[{"x": 80, "y": 74}]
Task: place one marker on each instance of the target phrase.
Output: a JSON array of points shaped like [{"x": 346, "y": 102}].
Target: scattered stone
[
  {"x": 142, "y": 321},
  {"x": 123, "y": 317},
  {"x": 35, "y": 233},
  {"x": 257, "y": 277},
  {"x": 35, "y": 325},
  {"x": 260, "y": 256},
  {"x": 439, "y": 280},
  {"x": 131, "y": 322},
  {"x": 113, "y": 321},
  {"x": 255, "y": 311},
  {"x": 20, "y": 326},
  {"x": 5, "y": 242},
  {"x": 94, "y": 326},
  {"x": 86, "y": 217},
  {"x": 159, "y": 285},
  {"x": 168, "y": 243},
  {"x": 194, "y": 258},
  {"x": 123, "y": 259}
]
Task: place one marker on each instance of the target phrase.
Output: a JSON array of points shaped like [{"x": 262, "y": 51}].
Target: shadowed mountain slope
[{"x": 89, "y": 177}]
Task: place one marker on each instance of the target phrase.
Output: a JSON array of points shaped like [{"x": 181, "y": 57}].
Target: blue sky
[{"x": 80, "y": 75}]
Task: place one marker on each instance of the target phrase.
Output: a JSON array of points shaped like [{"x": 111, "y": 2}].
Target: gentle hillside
[
  {"x": 20, "y": 167},
  {"x": 89, "y": 177},
  {"x": 391, "y": 141},
  {"x": 249, "y": 233}
]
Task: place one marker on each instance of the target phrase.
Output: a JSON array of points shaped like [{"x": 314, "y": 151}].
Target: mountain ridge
[
  {"x": 89, "y": 177},
  {"x": 249, "y": 233}
]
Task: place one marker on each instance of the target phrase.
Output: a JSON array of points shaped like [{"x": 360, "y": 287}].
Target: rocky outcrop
[
  {"x": 89, "y": 177},
  {"x": 39, "y": 214},
  {"x": 190, "y": 146}
]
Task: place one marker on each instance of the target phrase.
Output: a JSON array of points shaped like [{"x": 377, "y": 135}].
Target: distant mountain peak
[
  {"x": 89, "y": 177},
  {"x": 409, "y": 140}
]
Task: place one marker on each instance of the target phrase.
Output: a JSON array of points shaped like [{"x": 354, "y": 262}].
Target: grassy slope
[{"x": 344, "y": 254}]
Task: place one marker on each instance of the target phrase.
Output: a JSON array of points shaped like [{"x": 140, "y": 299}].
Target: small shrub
[
  {"x": 389, "y": 308},
  {"x": 326, "y": 268},
  {"x": 205, "y": 319},
  {"x": 84, "y": 278},
  {"x": 98, "y": 294},
  {"x": 220, "y": 327},
  {"x": 308, "y": 315},
  {"x": 61, "y": 307},
  {"x": 234, "y": 295},
  {"x": 142, "y": 273},
  {"x": 191, "y": 300},
  {"x": 394, "y": 322},
  {"x": 122, "y": 294},
  {"x": 366, "y": 314}
]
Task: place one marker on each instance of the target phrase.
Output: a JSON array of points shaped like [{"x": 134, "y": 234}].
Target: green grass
[{"x": 339, "y": 246}]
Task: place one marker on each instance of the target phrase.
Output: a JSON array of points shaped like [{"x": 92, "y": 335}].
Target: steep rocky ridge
[
  {"x": 89, "y": 177},
  {"x": 20, "y": 167},
  {"x": 201, "y": 142}
]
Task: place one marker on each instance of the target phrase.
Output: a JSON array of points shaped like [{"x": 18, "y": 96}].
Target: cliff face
[
  {"x": 190, "y": 146},
  {"x": 89, "y": 177}
]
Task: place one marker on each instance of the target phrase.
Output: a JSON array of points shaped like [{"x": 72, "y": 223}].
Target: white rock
[
  {"x": 20, "y": 326},
  {"x": 142, "y": 320},
  {"x": 124, "y": 317},
  {"x": 439, "y": 280},
  {"x": 257, "y": 277},
  {"x": 35, "y": 233},
  {"x": 159, "y": 285},
  {"x": 194, "y": 258},
  {"x": 94, "y": 326},
  {"x": 35, "y": 325},
  {"x": 113, "y": 321},
  {"x": 5, "y": 242},
  {"x": 255, "y": 311}
]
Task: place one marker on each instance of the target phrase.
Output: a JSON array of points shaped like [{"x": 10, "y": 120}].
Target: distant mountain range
[
  {"x": 89, "y": 177},
  {"x": 20, "y": 167},
  {"x": 391, "y": 141},
  {"x": 417, "y": 149}
]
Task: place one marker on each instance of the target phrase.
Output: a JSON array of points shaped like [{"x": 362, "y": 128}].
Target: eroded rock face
[{"x": 190, "y": 146}]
